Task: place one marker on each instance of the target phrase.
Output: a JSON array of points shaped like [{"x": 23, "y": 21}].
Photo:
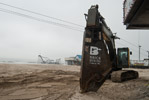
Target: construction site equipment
[
  {"x": 136, "y": 14},
  {"x": 99, "y": 58}
]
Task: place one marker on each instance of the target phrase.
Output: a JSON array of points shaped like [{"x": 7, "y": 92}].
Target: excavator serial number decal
[{"x": 94, "y": 55}]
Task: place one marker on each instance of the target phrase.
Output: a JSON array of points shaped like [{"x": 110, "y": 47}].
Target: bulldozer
[{"x": 100, "y": 59}]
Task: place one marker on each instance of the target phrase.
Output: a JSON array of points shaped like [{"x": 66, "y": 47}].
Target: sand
[{"x": 59, "y": 82}]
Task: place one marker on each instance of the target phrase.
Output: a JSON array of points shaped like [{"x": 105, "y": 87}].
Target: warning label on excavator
[{"x": 94, "y": 55}]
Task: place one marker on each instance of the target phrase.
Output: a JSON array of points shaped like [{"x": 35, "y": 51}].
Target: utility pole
[
  {"x": 139, "y": 52},
  {"x": 148, "y": 57}
]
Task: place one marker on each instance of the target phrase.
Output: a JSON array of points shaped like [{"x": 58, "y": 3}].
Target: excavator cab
[
  {"x": 123, "y": 57},
  {"x": 123, "y": 61}
]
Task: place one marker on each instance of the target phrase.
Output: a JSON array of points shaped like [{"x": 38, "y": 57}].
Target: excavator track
[{"x": 124, "y": 75}]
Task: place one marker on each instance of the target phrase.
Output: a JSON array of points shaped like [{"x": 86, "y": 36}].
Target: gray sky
[{"x": 25, "y": 38}]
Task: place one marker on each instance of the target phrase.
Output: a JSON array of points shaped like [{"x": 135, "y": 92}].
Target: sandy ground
[{"x": 58, "y": 82}]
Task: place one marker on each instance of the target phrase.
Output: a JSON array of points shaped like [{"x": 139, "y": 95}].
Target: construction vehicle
[{"x": 99, "y": 58}]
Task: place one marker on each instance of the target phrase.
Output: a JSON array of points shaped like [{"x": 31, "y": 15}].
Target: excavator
[{"x": 100, "y": 60}]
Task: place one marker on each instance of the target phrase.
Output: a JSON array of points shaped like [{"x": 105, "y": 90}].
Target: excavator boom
[
  {"x": 98, "y": 54},
  {"x": 99, "y": 58}
]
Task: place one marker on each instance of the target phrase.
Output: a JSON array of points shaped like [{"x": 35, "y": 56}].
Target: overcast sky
[{"x": 26, "y": 38}]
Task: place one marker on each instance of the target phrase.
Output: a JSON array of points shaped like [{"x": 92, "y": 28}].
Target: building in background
[{"x": 73, "y": 60}]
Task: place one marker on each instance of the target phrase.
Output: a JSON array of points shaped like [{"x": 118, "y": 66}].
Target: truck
[{"x": 99, "y": 57}]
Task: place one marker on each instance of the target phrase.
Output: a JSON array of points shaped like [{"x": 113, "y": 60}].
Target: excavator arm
[
  {"x": 99, "y": 58},
  {"x": 98, "y": 53}
]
